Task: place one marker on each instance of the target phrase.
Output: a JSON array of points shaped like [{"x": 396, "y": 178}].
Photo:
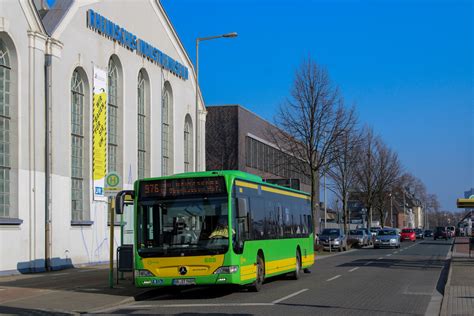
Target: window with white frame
[
  {"x": 167, "y": 131},
  {"x": 141, "y": 125},
  {"x": 5, "y": 130},
  {"x": 188, "y": 144},
  {"x": 112, "y": 117},
  {"x": 77, "y": 147}
]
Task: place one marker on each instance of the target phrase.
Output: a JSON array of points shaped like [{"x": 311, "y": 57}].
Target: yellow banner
[{"x": 100, "y": 135}]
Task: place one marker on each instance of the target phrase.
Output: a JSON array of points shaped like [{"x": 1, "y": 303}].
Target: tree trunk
[
  {"x": 346, "y": 219},
  {"x": 314, "y": 203},
  {"x": 369, "y": 217}
]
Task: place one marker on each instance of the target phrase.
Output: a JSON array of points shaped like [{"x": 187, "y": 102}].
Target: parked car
[
  {"x": 419, "y": 233},
  {"x": 441, "y": 232},
  {"x": 374, "y": 230},
  {"x": 359, "y": 237},
  {"x": 428, "y": 233},
  {"x": 387, "y": 238},
  {"x": 370, "y": 238},
  {"x": 333, "y": 238},
  {"x": 451, "y": 231},
  {"x": 408, "y": 234}
]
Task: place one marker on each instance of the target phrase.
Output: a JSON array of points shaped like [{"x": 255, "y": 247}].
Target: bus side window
[
  {"x": 279, "y": 220},
  {"x": 257, "y": 206}
]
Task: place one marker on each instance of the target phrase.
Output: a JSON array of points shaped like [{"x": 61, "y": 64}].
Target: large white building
[{"x": 52, "y": 60}]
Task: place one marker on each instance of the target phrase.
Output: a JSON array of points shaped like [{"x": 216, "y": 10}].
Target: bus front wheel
[
  {"x": 257, "y": 285},
  {"x": 297, "y": 273}
]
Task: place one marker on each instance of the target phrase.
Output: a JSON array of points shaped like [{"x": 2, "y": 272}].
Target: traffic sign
[
  {"x": 465, "y": 203},
  {"x": 113, "y": 184}
]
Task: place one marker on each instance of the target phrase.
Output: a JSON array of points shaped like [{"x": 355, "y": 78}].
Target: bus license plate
[{"x": 184, "y": 282}]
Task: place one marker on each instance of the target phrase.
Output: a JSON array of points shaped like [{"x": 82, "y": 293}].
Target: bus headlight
[
  {"x": 143, "y": 273},
  {"x": 227, "y": 270}
]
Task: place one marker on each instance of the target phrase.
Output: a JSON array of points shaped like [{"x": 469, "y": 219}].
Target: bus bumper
[{"x": 214, "y": 279}]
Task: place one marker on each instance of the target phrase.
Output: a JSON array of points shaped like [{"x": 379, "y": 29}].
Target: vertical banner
[{"x": 99, "y": 128}]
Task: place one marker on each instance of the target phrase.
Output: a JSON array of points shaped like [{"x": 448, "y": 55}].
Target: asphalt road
[{"x": 361, "y": 282}]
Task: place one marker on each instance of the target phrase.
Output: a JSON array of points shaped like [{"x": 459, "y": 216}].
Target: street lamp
[{"x": 201, "y": 39}]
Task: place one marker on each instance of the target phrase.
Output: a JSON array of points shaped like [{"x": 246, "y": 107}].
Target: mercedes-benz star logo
[{"x": 182, "y": 270}]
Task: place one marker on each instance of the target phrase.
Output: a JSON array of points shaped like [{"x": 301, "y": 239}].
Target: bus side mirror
[
  {"x": 123, "y": 197},
  {"x": 242, "y": 207}
]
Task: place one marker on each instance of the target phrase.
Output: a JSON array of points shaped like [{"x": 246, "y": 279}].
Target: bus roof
[{"x": 229, "y": 173}]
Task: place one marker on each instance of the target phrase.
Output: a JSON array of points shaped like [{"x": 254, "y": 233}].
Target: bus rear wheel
[
  {"x": 258, "y": 283},
  {"x": 297, "y": 273}
]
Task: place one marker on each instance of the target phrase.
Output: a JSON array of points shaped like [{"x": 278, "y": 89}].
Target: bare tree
[
  {"x": 366, "y": 172},
  {"x": 387, "y": 171},
  {"x": 343, "y": 171},
  {"x": 311, "y": 122},
  {"x": 221, "y": 139}
]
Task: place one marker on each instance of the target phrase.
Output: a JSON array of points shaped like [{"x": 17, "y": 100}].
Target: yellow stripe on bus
[
  {"x": 273, "y": 190},
  {"x": 269, "y": 189},
  {"x": 248, "y": 272},
  {"x": 280, "y": 265},
  {"x": 247, "y": 185}
]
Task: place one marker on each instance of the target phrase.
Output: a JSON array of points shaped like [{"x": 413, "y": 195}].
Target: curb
[
  {"x": 444, "y": 306},
  {"x": 110, "y": 307},
  {"x": 317, "y": 258}
]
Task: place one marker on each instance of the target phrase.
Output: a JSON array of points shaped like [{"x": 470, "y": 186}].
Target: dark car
[
  {"x": 440, "y": 232},
  {"x": 419, "y": 233},
  {"x": 333, "y": 238},
  {"x": 428, "y": 233}
]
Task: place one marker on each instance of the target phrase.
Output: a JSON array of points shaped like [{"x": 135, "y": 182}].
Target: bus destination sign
[{"x": 172, "y": 188}]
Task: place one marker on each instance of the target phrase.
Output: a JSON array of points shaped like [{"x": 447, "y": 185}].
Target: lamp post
[
  {"x": 391, "y": 209},
  {"x": 201, "y": 39}
]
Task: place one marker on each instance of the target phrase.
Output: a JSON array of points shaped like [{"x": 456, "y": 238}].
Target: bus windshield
[{"x": 183, "y": 227}]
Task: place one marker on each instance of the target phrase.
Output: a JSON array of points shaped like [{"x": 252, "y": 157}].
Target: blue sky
[{"x": 407, "y": 65}]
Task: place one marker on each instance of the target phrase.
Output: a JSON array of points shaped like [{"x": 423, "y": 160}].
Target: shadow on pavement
[
  {"x": 84, "y": 280},
  {"x": 24, "y": 311},
  {"x": 424, "y": 264}
]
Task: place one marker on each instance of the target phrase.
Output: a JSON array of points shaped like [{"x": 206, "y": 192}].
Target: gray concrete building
[{"x": 239, "y": 139}]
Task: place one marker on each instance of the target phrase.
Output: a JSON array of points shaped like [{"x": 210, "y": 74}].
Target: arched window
[
  {"x": 142, "y": 150},
  {"x": 188, "y": 144},
  {"x": 167, "y": 131},
  {"x": 112, "y": 117},
  {"x": 77, "y": 146},
  {"x": 5, "y": 130}
]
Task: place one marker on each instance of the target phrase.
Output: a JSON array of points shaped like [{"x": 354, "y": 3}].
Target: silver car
[
  {"x": 359, "y": 237},
  {"x": 387, "y": 238},
  {"x": 333, "y": 238}
]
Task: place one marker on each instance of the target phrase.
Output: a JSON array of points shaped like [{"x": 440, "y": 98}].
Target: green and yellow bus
[{"x": 182, "y": 234}]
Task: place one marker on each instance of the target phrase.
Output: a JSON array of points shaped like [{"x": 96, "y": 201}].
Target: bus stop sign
[{"x": 113, "y": 184}]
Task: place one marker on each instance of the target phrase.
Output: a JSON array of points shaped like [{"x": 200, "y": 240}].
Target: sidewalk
[
  {"x": 459, "y": 291},
  {"x": 70, "y": 291}
]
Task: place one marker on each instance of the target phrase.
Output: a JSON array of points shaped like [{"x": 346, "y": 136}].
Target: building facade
[
  {"x": 238, "y": 139},
  {"x": 86, "y": 88}
]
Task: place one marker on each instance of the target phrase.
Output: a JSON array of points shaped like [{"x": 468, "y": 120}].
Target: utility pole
[{"x": 391, "y": 209}]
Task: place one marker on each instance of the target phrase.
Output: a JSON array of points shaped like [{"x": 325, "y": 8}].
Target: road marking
[
  {"x": 333, "y": 278},
  {"x": 388, "y": 255},
  {"x": 379, "y": 258},
  {"x": 85, "y": 271},
  {"x": 204, "y": 305},
  {"x": 353, "y": 269},
  {"x": 289, "y": 296},
  {"x": 56, "y": 274},
  {"x": 396, "y": 252},
  {"x": 367, "y": 263}
]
